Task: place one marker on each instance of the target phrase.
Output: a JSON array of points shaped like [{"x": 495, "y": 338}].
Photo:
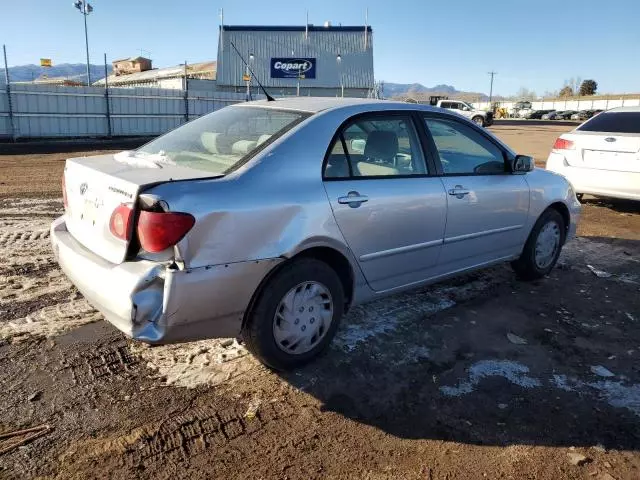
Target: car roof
[
  {"x": 318, "y": 104},
  {"x": 624, "y": 109}
]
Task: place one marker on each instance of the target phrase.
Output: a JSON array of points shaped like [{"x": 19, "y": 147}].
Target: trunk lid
[
  {"x": 603, "y": 151},
  {"x": 95, "y": 186}
]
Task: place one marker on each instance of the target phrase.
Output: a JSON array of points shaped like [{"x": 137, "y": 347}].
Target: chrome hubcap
[
  {"x": 547, "y": 244},
  {"x": 303, "y": 318}
]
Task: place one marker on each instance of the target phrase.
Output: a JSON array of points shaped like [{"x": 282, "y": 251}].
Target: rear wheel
[
  {"x": 478, "y": 120},
  {"x": 543, "y": 246},
  {"x": 296, "y": 315}
]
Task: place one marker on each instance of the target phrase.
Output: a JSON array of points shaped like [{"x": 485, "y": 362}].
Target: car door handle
[
  {"x": 353, "y": 199},
  {"x": 459, "y": 191}
]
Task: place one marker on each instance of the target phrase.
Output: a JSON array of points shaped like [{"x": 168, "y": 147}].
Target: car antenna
[{"x": 269, "y": 97}]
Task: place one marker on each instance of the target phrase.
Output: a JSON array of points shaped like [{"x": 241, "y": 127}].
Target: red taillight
[
  {"x": 563, "y": 144},
  {"x": 158, "y": 231},
  {"x": 65, "y": 202},
  {"x": 120, "y": 222}
]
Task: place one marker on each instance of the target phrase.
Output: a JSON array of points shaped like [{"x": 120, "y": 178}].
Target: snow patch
[{"x": 515, "y": 372}]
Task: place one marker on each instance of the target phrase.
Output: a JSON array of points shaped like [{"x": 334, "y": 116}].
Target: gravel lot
[{"x": 480, "y": 377}]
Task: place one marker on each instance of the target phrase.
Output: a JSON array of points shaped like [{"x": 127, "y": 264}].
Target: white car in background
[{"x": 602, "y": 156}]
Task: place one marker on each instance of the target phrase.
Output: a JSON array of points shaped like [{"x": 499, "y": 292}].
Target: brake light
[
  {"x": 563, "y": 144},
  {"x": 65, "y": 202},
  {"x": 120, "y": 222},
  {"x": 158, "y": 231}
]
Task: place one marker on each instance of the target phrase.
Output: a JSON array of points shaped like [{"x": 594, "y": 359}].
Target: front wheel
[
  {"x": 296, "y": 314},
  {"x": 543, "y": 247},
  {"x": 478, "y": 120}
]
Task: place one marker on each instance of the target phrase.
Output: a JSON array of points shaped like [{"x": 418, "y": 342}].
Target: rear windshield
[
  {"x": 221, "y": 140},
  {"x": 618, "y": 122}
]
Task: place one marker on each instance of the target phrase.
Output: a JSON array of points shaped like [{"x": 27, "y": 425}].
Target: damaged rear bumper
[{"x": 156, "y": 304}]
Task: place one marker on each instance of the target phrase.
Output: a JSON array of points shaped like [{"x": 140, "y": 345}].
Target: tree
[
  {"x": 574, "y": 83},
  {"x": 526, "y": 94},
  {"x": 566, "y": 91},
  {"x": 588, "y": 87}
]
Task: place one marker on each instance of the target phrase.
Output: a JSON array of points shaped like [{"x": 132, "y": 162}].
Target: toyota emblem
[
  {"x": 83, "y": 188},
  {"x": 609, "y": 139}
]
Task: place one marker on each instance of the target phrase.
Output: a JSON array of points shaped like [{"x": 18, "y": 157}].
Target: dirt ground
[{"x": 482, "y": 377}]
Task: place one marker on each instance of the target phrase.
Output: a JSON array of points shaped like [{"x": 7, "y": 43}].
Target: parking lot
[{"x": 479, "y": 377}]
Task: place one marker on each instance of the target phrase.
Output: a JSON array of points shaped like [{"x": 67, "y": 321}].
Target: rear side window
[
  {"x": 463, "y": 151},
  {"x": 376, "y": 146},
  {"x": 615, "y": 122},
  {"x": 445, "y": 105}
]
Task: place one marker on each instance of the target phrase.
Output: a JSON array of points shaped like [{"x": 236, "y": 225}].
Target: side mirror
[{"x": 523, "y": 164}]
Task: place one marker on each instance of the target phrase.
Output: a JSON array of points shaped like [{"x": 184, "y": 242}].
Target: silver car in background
[
  {"x": 602, "y": 156},
  {"x": 270, "y": 220}
]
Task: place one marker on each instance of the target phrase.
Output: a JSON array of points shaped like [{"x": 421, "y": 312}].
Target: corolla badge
[
  {"x": 609, "y": 139},
  {"x": 83, "y": 188}
]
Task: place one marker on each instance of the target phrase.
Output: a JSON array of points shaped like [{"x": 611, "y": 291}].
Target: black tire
[
  {"x": 257, "y": 331},
  {"x": 478, "y": 120},
  {"x": 526, "y": 267}
]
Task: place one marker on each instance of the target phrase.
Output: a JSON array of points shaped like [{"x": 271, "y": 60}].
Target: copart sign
[{"x": 293, "y": 68}]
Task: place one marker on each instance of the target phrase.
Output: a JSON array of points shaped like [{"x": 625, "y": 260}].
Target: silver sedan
[{"x": 269, "y": 220}]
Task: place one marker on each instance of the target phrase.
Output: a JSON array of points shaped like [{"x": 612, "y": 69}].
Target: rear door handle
[{"x": 353, "y": 199}]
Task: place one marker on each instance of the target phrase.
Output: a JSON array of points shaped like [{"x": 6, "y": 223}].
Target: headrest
[
  {"x": 242, "y": 147},
  {"x": 381, "y": 144},
  {"x": 210, "y": 141}
]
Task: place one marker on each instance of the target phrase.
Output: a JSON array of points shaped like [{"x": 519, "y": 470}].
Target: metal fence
[
  {"x": 42, "y": 111},
  {"x": 568, "y": 104}
]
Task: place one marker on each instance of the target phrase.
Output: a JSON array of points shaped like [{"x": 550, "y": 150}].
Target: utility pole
[
  {"x": 85, "y": 9},
  {"x": 491, "y": 87}
]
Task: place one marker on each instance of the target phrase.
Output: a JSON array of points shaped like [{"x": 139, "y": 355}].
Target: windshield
[{"x": 221, "y": 140}]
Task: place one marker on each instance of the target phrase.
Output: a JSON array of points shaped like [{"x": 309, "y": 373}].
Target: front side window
[
  {"x": 220, "y": 141},
  {"x": 376, "y": 146},
  {"x": 464, "y": 151}
]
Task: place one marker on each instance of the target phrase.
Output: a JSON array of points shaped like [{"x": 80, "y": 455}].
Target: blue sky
[{"x": 533, "y": 44}]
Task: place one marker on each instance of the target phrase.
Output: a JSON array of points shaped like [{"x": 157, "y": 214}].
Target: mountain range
[
  {"x": 72, "y": 71},
  {"x": 393, "y": 90}
]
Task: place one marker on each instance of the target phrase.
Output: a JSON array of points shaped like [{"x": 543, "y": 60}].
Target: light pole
[
  {"x": 491, "y": 87},
  {"x": 339, "y": 62},
  {"x": 85, "y": 9},
  {"x": 248, "y": 76}
]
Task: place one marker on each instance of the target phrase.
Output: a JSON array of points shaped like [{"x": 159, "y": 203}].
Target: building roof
[
  {"x": 131, "y": 59},
  {"x": 150, "y": 76},
  {"x": 294, "y": 28}
]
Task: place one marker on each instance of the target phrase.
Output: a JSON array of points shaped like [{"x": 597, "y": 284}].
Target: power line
[{"x": 491, "y": 88}]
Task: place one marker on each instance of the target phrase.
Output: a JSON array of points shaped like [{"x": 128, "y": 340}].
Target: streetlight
[
  {"x": 247, "y": 75},
  {"x": 339, "y": 62},
  {"x": 85, "y": 9}
]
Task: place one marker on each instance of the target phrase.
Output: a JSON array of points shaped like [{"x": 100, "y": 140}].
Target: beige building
[{"x": 126, "y": 66}]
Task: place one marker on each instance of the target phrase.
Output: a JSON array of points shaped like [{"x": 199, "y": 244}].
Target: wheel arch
[
  {"x": 331, "y": 256},
  {"x": 563, "y": 210}
]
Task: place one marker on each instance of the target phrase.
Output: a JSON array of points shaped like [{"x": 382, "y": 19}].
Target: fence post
[
  {"x": 106, "y": 96},
  {"x": 186, "y": 94},
  {"x": 8, "y": 80}
]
